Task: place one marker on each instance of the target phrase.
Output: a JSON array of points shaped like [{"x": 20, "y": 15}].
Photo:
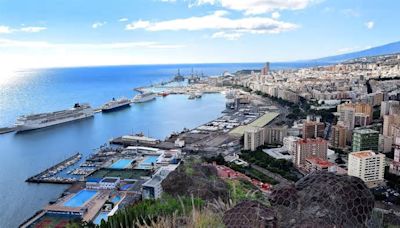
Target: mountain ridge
[{"x": 386, "y": 49}]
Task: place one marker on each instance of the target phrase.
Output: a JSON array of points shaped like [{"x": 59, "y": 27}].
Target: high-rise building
[
  {"x": 265, "y": 69},
  {"x": 385, "y": 143},
  {"x": 391, "y": 124},
  {"x": 313, "y": 129},
  {"x": 338, "y": 137},
  {"x": 365, "y": 139},
  {"x": 348, "y": 112},
  {"x": 368, "y": 166},
  {"x": 388, "y": 106},
  {"x": 290, "y": 143},
  {"x": 275, "y": 134},
  {"x": 395, "y": 165},
  {"x": 308, "y": 148},
  {"x": 253, "y": 138},
  {"x": 361, "y": 119},
  {"x": 347, "y": 116}
]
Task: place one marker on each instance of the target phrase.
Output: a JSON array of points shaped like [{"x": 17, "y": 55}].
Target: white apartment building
[
  {"x": 368, "y": 166},
  {"x": 290, "y": 143},
  {"x": 253, "y": 138}
]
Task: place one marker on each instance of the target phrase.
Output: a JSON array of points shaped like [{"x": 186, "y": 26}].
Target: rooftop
[
  {"x": 320, "y": 162},
  {"x": 260, "y": 122},
  {"x": 365, "y": 131},
  {"x": 278, "y": 153},
  {"x": 364, "y": 154}
]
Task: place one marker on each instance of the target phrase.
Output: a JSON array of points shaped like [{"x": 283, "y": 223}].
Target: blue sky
[{"x": 98, "y": 32}]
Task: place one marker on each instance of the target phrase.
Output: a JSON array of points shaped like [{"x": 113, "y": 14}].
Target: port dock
[{"x": 49, "y": 175}]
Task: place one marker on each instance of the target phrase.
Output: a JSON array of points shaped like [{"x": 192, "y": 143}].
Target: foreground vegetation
[
  {"x": 149, "y": 211},
  {"x": 282, "y": 167}
]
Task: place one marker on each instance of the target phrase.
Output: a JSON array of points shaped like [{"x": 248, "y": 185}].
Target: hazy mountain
[{"x": 391, "y": 48}]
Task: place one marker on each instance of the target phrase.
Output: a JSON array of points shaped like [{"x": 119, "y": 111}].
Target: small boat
[{"x": 163, "y": 94}]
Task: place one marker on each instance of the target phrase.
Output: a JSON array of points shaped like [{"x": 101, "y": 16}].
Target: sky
[{"x": 54, "y": 33}]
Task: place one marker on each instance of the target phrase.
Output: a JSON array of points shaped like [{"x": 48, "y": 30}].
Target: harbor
[
  {"x": 49, "y": 175},
  {"x": 126, "y": 163},
  {"x": 30, "y": 152}
]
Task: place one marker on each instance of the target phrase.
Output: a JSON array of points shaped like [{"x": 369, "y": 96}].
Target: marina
[{"x": 48, "y": 176}]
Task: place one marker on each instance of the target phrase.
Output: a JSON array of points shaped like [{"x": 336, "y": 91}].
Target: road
[{"x": 275, "y": 176}]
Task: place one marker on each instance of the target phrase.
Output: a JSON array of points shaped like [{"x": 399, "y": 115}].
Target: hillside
[{"x": 391, "y": 48}]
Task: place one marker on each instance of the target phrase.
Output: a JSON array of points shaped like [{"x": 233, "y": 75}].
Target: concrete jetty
[{"x": 49, "y": 175}]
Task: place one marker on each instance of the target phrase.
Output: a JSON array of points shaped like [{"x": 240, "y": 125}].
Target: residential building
[
  {"x": 395, "y": 165},
  {"x": 348, "y": 112},
  {"x": 368, "y": 166},
  {"x": 307, "y": 148},
  {"x": 391, "y": 125},
  {"x": 347, "y": 116},
  {"x": 365, "y": 139},
  {"x": 275, "y": 134},
  {"x": 388, "y": 107},
  {"x": 385, "y": 143},
  {"x": 265, "y": 69},
  {"x": 253, "y": 138},
  {"x": 361, "y": 119},
  {"x": 313, "y": 129},
  {"x": 152, "y": 189},
  {"x": 290, "y": 143},
  {"x": 318, "y": 164},
  {"x": 338, "y": 136}
]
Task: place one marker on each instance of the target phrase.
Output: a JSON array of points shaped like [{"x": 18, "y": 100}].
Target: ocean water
[
  {"x": 25, "y": 154},
  {"x": 32, "y": 91}
]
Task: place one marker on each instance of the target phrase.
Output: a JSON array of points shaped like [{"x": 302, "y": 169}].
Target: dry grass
[{"x": 209, "y": 216}]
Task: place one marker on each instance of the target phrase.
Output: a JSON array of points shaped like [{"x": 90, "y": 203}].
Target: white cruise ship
[
  {"x": 36, "y": 121},
  {"x": 115, "y": 104},
  {"x": 144, "y": 97}
]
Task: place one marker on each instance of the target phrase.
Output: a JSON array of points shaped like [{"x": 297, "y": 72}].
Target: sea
[{"x": 43, "y": 90}]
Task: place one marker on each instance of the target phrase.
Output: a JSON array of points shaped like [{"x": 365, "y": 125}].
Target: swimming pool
[
  {"x": 101, "y": 216},
  {"x": 116, "y": 199},
  {"x": 80, "y": 198},
  {"x": 146, "y": 163},
  {"x": 121, "y": 164}
]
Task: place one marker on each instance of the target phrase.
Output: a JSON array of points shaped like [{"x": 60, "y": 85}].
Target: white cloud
[
  {"x": 228, "y": 36},
  {"x": 217, "y": 21},
  {"x": 350, "y": 12},
  {"x": 258, "y": 6},
  {"x": 370, "y": 24},
  {"x": 137, "y": 25},
  {"x": 5, "y": 29},
  {"x": 275, "y": 15},
  {"x": 32, "y": 29},
  {"x": 7, "y": 43},
  {"x": 98, "y": 24},
  {"x": 29, "y": 29},
  {"x": 123, "y": 19}
]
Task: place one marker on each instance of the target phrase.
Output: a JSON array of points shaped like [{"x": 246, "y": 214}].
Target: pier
[{"x": 49, "y": 175}]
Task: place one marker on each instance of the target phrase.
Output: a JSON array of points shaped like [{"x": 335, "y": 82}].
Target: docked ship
[
  {"x": 115, "y": 104},
  {"x": 144, "y": 97},
  {"x": 42, "y": 120}
]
